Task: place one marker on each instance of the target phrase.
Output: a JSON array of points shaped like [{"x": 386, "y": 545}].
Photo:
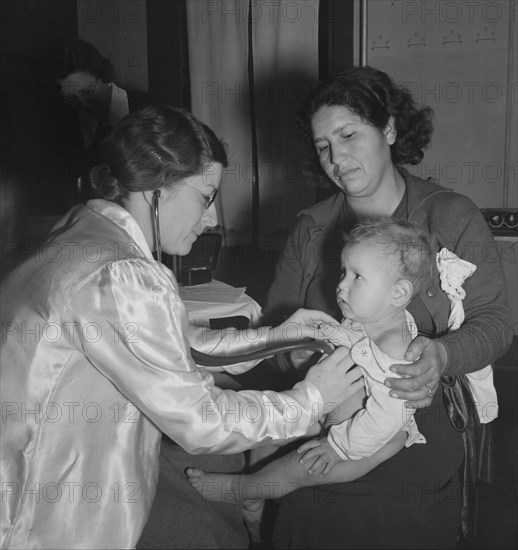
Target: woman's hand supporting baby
[{"x": 422, "y": 377}]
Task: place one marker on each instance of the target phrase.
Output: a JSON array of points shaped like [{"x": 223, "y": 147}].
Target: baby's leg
[
  {"x": 227, "y": 487},
  {"x": 253, "y": 509},
  {"x": 351, "y": 470},
  {"x": 285, "y": 475},
  {"x": 262, "y": 454}
]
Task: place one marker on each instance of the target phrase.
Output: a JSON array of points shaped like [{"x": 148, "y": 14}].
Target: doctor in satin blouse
[{"x": 95, "y": 349}]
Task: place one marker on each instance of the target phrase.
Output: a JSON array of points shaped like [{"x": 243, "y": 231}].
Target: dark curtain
[
  {"x": 35, "y": 162},
  {"x": 335, "y": 36},
  {"x": 37, "y": 167},
  {"x": 168, "y": 59},
  {"x": 335, "y": 49}
]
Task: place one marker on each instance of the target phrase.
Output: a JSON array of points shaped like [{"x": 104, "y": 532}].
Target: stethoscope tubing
[
  {"x": 220, "y": 361},
  {"x": 263, "y": 353}
]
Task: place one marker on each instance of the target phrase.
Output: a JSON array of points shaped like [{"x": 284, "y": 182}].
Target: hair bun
[{"x": 104, "y": 184}]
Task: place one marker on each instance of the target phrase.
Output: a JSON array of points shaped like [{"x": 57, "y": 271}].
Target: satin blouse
[{"x": 95, "y": 366}]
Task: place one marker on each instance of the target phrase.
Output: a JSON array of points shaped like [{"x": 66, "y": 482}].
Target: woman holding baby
[{"x": 363, "y": 129}]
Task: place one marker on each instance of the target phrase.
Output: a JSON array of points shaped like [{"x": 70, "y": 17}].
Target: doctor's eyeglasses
[{"x": 209, "y": 199}]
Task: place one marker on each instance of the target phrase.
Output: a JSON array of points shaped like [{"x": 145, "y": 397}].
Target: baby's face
[{"x": 366, "y": 288}]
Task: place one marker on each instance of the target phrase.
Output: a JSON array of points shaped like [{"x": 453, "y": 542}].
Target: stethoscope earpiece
[{"x": 156, "y": 224}]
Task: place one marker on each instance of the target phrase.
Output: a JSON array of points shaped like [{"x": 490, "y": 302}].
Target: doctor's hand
[
  {"x": 300, "y": 357},
  {"x": 332, "y": 380},
  {"x": 423, "y": 376},
  {"x": 302, "y": 324}
]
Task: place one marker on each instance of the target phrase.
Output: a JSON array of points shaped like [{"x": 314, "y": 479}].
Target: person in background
[
  {"x": 363, "y": 129},
  {"x": 96, "y": 360},
  {"x": 86, "y": 83}
]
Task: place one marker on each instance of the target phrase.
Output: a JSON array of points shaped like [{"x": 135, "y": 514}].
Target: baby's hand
[{"x": 320, "y": 454}]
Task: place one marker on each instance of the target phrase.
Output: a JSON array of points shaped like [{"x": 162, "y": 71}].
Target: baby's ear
[{"x": 402, "y": 294}]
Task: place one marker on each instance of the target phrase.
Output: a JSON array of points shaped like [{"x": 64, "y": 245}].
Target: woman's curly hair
[{"x": 373, "y": 96}]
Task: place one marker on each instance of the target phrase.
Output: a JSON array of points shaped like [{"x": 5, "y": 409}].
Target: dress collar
[
  {"x": 122, "y": 218},
  {"x": 119, "y": 106}
]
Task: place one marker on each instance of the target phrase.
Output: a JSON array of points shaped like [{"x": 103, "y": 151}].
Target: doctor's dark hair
[
  {"x": 80, "y": 56},
  {"x": 404, "y": 243},
  {"x": 374, "y": 97},
  {"x": 153, "y": 148}
]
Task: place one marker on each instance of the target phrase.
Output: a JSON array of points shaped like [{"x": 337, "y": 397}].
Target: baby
[{"x": 385, "y": 263}]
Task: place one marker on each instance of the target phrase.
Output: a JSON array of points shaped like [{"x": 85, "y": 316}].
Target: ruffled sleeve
[{"x": 141, "y": 346}]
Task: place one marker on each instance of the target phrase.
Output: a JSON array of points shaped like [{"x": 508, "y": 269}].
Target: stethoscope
[{"x": 217, "y": 360}]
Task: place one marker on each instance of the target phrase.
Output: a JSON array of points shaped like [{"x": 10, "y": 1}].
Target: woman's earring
[{"x": 156, "y": 224}]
